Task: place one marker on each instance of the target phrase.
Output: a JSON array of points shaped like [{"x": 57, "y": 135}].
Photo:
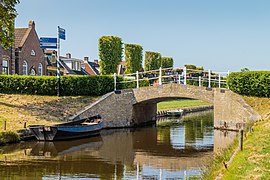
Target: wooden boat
[
  {"x": 70, "y": 130},
  {"x": 178, "y": 112}
]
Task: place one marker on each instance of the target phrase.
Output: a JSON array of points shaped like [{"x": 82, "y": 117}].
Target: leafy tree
[
  {"x": 152, "y": 60},
  {"x": 133, "y": 57},
  {"x": 110, "y": 54},
  {"x": 166, "y": 62},
  {"x": 8, "y": 14},
  {"x": 245, "y": 70}
]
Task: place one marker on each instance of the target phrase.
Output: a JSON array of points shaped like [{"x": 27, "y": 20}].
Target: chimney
[
  {"x": 86, "y": 59},
  {"x": 68, "y": 55},
  {"x": 31, "y": 24},
  {"x": 96, "y": 61}
]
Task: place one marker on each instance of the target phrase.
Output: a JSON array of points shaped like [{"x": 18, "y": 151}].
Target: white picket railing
[{"x": 208, "y": 77}]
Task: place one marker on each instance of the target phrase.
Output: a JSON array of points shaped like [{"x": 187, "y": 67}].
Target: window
[
  {"x": 5, "y": 67},
  {"x": 40, "y": 69},
  {"x": 25, "y": 68}
]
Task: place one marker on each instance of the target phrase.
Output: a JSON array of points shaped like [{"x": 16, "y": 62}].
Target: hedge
[
  {"x": 69, "y": 85},
  {"x": 251, "y": 83}
]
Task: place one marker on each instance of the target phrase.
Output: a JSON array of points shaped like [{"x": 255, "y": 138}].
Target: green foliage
[
  {"x": 190, "y": 66},
  {"x": 250, "y": 83},
  {"x": 9, "y": 137},
  {"x": 166, "y": 62},
  {"x": 244, "y": 70},
  {"x": 69, "y": 85},
  {"x": 133, "y": 57},
  {"x": 152, "y": 60},
  {"x": 47, "y": 85},
  {"x": 129, "y": 85},
  {"x": 110, "y": 54},
  {"x": 8, "y": 14}
]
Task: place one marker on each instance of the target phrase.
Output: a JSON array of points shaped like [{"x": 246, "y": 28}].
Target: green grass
[
  {"x": 254, "y": 161},
  {"x": 181, "y": 103}
]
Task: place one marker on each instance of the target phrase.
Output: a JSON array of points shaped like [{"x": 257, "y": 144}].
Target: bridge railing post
[
  {"x": 179, "y": 79},
  {"x": 185, "y": 75},
  {"x": 137, "y": 78},
  {"x": 114, "y": 78},
  {"x": 160, "y": 76},
  {"x": 200, "y": 81},
  {"x": 219, "y": 81},
  {"x": 226, "y": 78},
  {"x": 209, "y": 78}
]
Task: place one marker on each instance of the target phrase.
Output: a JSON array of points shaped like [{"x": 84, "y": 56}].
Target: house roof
[
  {"x": 94, "y": 66},
  {"x": 21, "y": 35}
]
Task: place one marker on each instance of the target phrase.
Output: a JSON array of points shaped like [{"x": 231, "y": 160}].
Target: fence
[{"x": 180, "y": 76}]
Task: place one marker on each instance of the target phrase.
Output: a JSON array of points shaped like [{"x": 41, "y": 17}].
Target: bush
[
  {"x": 69, "y": 85},
  {"x": 47, "y": 85},
  {"x": 252, "y": 83},
  {"x": 9, "y": 137}
]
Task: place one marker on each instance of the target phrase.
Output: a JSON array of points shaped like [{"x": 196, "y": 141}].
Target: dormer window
[{"x": 33, "y": 53}]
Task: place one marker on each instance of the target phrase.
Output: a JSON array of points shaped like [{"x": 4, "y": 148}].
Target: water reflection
[{"x": 175, "y": 151}]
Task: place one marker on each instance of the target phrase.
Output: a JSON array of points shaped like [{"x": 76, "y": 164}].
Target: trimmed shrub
[
  {"x": 166, "y": 62},
  {"x": 69, "y": 85},
  {"x": 110, "y": 54},
  {"x": 47, "y": 85},
  {"x": 152, "y": 60},
  {"x": 133, "y": 57},
  {"x": 252, "y": 83}
]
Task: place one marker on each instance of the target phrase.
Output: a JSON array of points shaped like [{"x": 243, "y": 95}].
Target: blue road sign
[
  {"x": 50, "y": 43},
  {"x": 62, "y": 33}
]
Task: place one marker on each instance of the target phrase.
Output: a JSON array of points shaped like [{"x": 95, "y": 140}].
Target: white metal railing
[{"x": 196, "y": 77}]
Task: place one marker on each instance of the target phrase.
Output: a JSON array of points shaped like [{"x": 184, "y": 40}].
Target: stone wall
[{"x": 231, "y": 111}]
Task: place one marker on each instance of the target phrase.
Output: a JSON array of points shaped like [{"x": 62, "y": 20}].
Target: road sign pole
[{"x": 58, "y": 64}]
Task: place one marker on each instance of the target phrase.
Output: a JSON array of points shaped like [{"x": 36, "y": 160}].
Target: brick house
[
  {"x": 29, "y": 57},
  {"x": 7, "y": 60}
]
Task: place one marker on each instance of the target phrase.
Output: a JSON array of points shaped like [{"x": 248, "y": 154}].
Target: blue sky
[{"x": 218, "y": 35}]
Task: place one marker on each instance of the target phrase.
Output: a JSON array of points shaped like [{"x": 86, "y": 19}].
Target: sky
[{"x": 218, "y": 35}]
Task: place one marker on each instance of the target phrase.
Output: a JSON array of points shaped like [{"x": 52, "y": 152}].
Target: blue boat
[{"x": 70, "y": 130}]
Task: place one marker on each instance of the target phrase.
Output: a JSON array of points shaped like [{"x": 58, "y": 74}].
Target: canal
[{"x": 176, "y": 148}]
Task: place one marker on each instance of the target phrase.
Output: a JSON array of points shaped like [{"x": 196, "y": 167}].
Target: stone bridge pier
[{"x": 135, "y": 107}]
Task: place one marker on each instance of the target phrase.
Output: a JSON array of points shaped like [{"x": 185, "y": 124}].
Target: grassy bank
[
  {"x": 17, "y": 109},
  {"x": 254, "y": 161},
  {"x": 181, "y": 103}
]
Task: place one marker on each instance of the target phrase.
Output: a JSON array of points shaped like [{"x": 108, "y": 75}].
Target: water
[{"x": 175, "y": 149}]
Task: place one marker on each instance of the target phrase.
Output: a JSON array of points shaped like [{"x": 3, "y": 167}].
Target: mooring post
[
  {"x": 24, "y": 124},
  {"x": 160, "y": 76},
  {"x": 114, "y": 77},
  {"x": 200, "y": 81},
  {"x": 241, "y": 133},
  {"x": 5, "y": 125}
]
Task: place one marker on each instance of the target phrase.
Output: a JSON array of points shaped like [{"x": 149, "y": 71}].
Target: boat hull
[{"x": 57, "y": 133}]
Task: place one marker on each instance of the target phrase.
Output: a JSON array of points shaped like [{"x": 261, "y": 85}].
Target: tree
[
  {"x": 245, "y": 70},
  {"x": 166, "y": 62},
  {"x": 152, "y": 60},
  {"x": 8, "y": 14},
  {"x": 110, "y": 54},
  {"x": 133, "y": 57}
]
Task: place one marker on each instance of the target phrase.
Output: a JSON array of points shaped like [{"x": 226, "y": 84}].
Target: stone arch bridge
[{"x": 132, "y": 107}]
